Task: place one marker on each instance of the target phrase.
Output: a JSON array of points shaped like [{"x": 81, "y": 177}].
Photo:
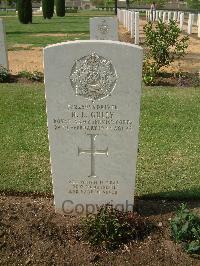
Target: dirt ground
[
  {"x": 32, "y": 234},
  {"x": 32, "y": 59}
]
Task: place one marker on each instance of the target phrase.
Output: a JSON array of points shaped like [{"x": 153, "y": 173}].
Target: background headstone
[
  {"x": 93, "y": 100},
  {"x": 132, "y": 24},
  {"x": 181, "y": 20},
  {"x": 164, "y": 17},
  {"x": 178, "y": 16},
  {"x": 104, "y": 28},
  {"x": 160, "y": 15},
  {"x": 129, "y": 20},
  {"x": 137, "y": 21},
  {"x": 169, "y": 17},
  {"x": 124, "y": 22},
  {"x": 126, "y": 19},
  {"x": 190, "y": 23},
  {"x": 175, "y": 15},
  {"x": 3, "y": 47},
  {"x": 157, "y": 15}
]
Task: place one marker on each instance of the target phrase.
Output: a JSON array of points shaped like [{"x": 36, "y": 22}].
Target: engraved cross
[{"x": 92, "y": 151}]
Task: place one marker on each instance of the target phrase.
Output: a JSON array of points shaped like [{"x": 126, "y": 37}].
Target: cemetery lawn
[
  {"x": 49, "y": 31},
  {"x": 169, "y": 145}
]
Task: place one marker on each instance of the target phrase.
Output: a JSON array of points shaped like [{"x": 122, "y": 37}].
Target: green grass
[
  {"x": 24, "y": 151},
  {"x": 7, "y": 13},
  {"x": 169, "y": 150},
  {"x": 75, "y": 25}
]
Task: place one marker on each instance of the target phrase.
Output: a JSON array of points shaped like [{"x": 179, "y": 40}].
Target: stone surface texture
[
  {"x": 93, "y": 104},
  {"x": 104, "y": 28},
  {"x": 3, "y": 47}
]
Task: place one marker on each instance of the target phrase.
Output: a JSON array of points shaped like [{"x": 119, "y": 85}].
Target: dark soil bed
[
  {"x": 184, "y": 79},
  {"x": 32, "y": 234}
]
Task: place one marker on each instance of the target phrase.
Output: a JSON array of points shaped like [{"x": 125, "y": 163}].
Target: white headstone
[
  {"x": 3, "y": 47},
  {"x": 190, "y": 22},
  {"x": 178, "y": 17},
  {"x": 175, "y": 15},
  {"x": 137, "y": 30},
  {"x": 149, "y": 15},
  {"x": 124, "y": 23},
  {"x": 164, "y": 17},
  {"x": 104, "y": 28},
  {"x": 157, "y": 15},
  {"x": 132, "y": 24},
  {"x": 93, "y": 93},
  {"x": 192, "y": 19},
  {"x": 181, "y": 20},
  {"x": 121, "y": 15},
  {"x": 127, "y": 19},
  {"x": 169, "y": 16},
  {"x": 160, "y": 15}
]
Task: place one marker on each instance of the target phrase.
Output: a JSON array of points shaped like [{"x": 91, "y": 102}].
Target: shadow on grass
[
  {"x": 185, "y": 194},
  {"x": 166, "y": 202},
  {"x": 49, "y": 32}
]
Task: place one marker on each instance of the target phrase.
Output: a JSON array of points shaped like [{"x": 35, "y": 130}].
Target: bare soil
[
  {"x": 29, "y": 60},
  {"x": 32, "y": 234},
  {"x": 32, "y": 60}
]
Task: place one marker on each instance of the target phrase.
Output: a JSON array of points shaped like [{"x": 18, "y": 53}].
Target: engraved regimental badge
[
  {"x": 93, "y": 77},
  {"x": 103, "y": 28}
]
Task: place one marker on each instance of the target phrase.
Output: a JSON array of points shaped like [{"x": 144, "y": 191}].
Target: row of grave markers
[
  {"x": 178, "y": 16},
  {"x": 130, "y": 20}
]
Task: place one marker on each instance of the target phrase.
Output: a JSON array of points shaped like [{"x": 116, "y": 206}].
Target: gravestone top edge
[
  {"x": 92, "y": 41},
  {"x": 113, "y": 17}
]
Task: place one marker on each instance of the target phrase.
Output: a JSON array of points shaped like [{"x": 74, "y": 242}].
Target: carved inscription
[
  {"x": 92, "y": 151},
  {"x": 93, "y": 118},
  {"x": 93, "y": 187}
]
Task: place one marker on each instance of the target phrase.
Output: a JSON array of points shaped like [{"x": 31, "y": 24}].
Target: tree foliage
[
  {"x": 194, "y": 4},
  {"x": 25, "y": 11},
  {"x": 60, "y": 8},
  {"x": 98, "y": 2},
  {"x": 48, "y": 8}
]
